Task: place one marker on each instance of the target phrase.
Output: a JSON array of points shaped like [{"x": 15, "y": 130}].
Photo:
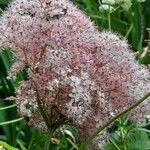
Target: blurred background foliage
[
  {"x": 128, "y": 18},
  {"x": 131, "y": 21}
]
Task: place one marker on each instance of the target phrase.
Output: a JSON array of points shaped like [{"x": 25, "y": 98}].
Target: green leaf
[
  {"x": 138, "y": 140},
  {"x": 11, "y": 121},
  {"x": 21, "y": 145},
  {"x": 7, "y": 146},
  {"x": 7, "y": 107},
  {"x": 5, "y": 2}
]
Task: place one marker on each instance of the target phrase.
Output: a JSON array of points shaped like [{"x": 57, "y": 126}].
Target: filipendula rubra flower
[{"x": 75, "y": 71}]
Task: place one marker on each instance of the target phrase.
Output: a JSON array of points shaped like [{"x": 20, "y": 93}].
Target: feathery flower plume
[{"x": 74, "y": 71}]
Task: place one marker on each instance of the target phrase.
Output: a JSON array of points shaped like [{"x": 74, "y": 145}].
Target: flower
[
  {"x": 105, "y": 7},
  {"x": 109, "y": 2},
  {"x": 124, "y": 4},
  {"x": 74, "y": 71}
]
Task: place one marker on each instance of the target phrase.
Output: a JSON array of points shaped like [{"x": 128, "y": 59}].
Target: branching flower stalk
[{"x": 51, "y": 126}]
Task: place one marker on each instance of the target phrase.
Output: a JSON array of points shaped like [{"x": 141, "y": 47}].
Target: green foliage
[
  {"x": 134, "y": 140},
  {"x": 8, "y": 114},
  {"x": 4, "y": 2},
  {"x": 7, "y": 146},
  {"x": 7, "y": 87},
  {"x": 128, "y": 137}
]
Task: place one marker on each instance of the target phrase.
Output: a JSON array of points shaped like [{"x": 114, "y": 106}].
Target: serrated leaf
[{"x": 138, "y": 140}]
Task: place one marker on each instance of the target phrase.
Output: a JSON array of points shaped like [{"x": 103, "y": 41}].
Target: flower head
[{"x": 76, "y": 71}]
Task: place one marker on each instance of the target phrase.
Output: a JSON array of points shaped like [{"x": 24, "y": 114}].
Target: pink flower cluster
[{"x": 86, "y": 75}]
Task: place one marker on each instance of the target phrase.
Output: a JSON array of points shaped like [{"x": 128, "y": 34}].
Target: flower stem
[
  {"x": 129, "y": 30},
  {"x": 109, "y": 19},
  {"x": 49, "y": 136},
  {"x": 105, "y": 125},
  {"x": 45, "y": 118}
]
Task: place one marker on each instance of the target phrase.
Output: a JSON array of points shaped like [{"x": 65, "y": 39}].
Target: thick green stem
[
  {"x": 129, "y": 30},
  {"x": 49, "y": 136},
  {"x": 109, "y": 19},
  {"x": 105, "y": 125}
]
